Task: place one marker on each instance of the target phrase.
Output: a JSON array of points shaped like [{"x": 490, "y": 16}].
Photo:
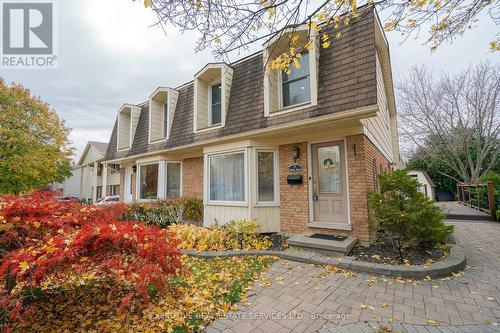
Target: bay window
[
  {"x": 295, "y": 85},
  {"x": 266, "y": 177},
  {"x": 226, "y": 177},
  {"x": 148, "y": 186}
]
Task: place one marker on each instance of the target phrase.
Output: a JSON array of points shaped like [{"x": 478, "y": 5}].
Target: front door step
[{"x": 325, "y": 245}]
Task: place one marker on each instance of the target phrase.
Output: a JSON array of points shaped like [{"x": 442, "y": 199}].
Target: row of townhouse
[
  {"x": 298, "y": 152},
  {"x": 91, "y": 179}
]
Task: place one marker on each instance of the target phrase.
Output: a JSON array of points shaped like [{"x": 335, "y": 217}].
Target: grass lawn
[{"x": 206, "y": 291}]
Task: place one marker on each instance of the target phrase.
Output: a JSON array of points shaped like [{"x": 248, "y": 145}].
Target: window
[
  {"x": 266, "y": 176},
  {"x": 329, "y": 171},
  {"x": 173, "y": 179},
  {"x": 148, "y": 181},
  {"x": 115, "y": 168},
  {"x": 99, "y": 170},
  {"x": 99, "y": 192},
  {"x": 215, "y": 104},
  {"x": 211, "y": 88},
  {"x": 114, "y": 189},
  {"x": 295, "y": 86},
  {"x": 227, "y": 177},
  {"x": 165, "y": 119}
]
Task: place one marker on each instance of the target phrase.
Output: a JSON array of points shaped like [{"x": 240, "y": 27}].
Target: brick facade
[
  {"x": 364, "y": 160},
  {"x": 294, "y": 202},
  {"x": 192, "y": 177}
]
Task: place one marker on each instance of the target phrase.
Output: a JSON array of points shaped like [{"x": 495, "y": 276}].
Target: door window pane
[
  {"x": 265, "y": 176},
  {"x": 215, "y": 106},
  {"x": 295, "y": 85},
  {"x": 329, "y": 169},
  {"x": 173, "y": 180},
  {"x": 149, "y": 181},
  {"x": 227, "y": 177}
]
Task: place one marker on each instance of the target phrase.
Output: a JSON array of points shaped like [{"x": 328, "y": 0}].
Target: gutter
[{"x": 359, "y": 113}]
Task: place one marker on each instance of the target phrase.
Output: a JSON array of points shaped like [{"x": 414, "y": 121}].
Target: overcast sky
[{"x": 108, "y": 55}]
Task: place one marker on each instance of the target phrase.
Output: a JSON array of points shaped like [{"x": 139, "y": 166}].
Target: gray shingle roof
[
  {"x": 346, "y": 80},
  {"x": 101, "y": 146}
]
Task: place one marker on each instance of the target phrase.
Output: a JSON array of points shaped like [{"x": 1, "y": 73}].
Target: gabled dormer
[
  {"x": 162, "y": 103},
  {"x": 128, "y": 117},
  {"x": 297, "y": 88},
  {"x": 212, "y": 86}
]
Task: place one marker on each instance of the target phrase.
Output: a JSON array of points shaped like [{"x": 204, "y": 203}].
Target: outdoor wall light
[{"x": 295, "y": 154}]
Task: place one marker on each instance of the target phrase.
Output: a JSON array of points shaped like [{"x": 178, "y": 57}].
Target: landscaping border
[{"x": 455, "y": 262}]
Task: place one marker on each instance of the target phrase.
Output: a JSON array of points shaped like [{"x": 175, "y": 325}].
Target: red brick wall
[
  {"x": 295, "y": 198},
  {"x": 192, "y": 177},
  {"x": 294, "y": 203}
]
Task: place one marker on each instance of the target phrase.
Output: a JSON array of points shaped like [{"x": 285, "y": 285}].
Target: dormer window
[
  {"x": 162, "y": 105},
  {"x": 296, "y": 88},
  {"x": 215, "y": 104},
  {"x": 212, "y": 86},
  {"x": 128, "y": 117},
  {"x": 295, "y": 85}
]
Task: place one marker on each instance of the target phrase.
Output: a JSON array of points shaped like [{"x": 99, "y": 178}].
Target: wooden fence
[{"x": 478, "y": 196}]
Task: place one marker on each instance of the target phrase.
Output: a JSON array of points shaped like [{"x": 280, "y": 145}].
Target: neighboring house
[
  {"x": 97, "y": 180},
  {"x": 426, "y": 184},
  {"x": 298, "y": 152},
  {"x": 71, "y": 185}
]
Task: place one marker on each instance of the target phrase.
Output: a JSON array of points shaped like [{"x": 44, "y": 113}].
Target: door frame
[
  {"x": 312, "y": 223},
  {"x": 127, "y": 196}
]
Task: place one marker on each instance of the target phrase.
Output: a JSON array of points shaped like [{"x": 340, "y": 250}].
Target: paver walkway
[
  {"x": 456, "y": 208},
  {"x": 305, "y": 298}
]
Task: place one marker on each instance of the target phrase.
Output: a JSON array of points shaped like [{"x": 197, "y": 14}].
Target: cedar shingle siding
[{"x": 346, "y": 80}]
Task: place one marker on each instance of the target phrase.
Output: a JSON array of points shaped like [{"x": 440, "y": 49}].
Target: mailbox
[{"x": 294, "y": 179}]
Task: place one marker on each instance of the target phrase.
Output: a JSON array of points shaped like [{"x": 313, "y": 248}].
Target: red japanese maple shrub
[{"x": 48, "y": 239}]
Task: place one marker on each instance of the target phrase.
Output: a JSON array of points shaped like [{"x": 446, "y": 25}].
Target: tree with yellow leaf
[
  {"x": 34, "y": 147},
  {"x": 227, "y": 26}
]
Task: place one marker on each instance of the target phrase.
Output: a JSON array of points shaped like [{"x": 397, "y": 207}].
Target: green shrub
[
  {"x": 401, "y": 209},
  {"x": 163, "y": 213}
]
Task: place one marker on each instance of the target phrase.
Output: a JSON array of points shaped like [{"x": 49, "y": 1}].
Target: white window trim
[
  {"x": 210, "y": 123},
  {"x": 276, "y": 201},
  {"x": 207, "y": 178},
  {"x": 163, "y": 120},
  {"x": 224, "y": 81},
  {"x": 313, "y": 81},
  {"x": 138, "y": 181},
  {"x": 118, "y": 131},
  {"x": 166, "y": 179},
  {"x": 284, "y": 109}
]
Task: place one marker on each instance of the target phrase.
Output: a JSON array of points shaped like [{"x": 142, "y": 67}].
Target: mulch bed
[
  {"x": 383, "y": 253},
  {"x": 279, "y": 241}
]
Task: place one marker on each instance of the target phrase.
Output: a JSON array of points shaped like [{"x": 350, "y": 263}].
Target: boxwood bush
[
  {"x": 401, "y": 209},
  {"x": 163, "y": 213}
]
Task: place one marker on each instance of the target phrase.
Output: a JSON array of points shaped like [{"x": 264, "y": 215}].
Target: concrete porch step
[{"x": 323, "y": 246}]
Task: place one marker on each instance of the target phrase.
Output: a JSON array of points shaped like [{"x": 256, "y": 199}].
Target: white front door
[
  {"x": 329, "y": 190},
  {"x": 127, "y": 196}
]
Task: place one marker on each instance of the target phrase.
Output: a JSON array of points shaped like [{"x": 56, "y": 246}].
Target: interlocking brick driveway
[{"x": 306, "y": 298}]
